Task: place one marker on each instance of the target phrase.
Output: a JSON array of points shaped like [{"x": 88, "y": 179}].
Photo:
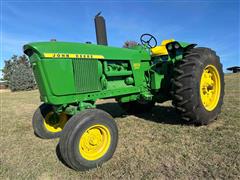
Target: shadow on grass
[
  {"x": 159, "y": 114},
  {"x": 60, "y": 158}
]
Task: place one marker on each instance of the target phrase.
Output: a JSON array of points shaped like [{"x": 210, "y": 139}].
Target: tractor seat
[{"x": 161, "y": 50}]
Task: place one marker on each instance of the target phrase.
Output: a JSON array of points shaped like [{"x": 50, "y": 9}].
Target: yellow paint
[
  {"x": 95, "y": 142},
  {"x": 136, "y": 65},
  {"x": 57, "y": 127},
  {"x": 210, "y": 87},
  {"x": 161, "y": 50},
  {"x": 72, "y": 56}
]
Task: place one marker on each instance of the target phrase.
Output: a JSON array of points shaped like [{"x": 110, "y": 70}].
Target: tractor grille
[{"x": 86, "y": 75}]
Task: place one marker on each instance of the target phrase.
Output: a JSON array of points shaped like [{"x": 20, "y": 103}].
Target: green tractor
[{"x": 71, "y": 77}]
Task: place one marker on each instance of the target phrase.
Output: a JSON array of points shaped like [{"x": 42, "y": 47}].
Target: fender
[{"x": 176, "y": 49}]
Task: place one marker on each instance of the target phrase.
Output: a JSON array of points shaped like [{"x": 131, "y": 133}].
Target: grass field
[{"x": 155, "y": 145}]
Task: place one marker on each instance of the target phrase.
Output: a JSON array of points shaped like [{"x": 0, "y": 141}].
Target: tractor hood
[{"x": 80, "y": 50}]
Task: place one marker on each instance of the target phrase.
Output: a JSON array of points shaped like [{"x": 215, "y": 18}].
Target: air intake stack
[{"x": 100, "y": 28}]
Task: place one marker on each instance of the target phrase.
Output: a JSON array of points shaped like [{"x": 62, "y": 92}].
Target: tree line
[{"x": 17, "y": 74}]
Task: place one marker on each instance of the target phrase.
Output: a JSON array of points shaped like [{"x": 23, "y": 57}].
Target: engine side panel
[{"x": 68, "y": 77}]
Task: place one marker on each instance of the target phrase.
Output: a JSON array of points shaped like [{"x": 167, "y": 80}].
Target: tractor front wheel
[
  {"x": 46, "y": 123},
  {"x": 198, "y": 86},
  {"x": 88, "y": 140}
]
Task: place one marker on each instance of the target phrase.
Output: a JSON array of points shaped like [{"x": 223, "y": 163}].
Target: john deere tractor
[{"x": 71, "y": 77}]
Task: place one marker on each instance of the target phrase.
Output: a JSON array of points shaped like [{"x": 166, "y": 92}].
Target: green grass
[{"x": 154, "y": 145}]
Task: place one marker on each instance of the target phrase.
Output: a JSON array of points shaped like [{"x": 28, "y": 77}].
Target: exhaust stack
[{"x": 100, "y": 28}]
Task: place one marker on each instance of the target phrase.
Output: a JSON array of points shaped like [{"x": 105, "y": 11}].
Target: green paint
[{"x": 73, "y": 84}]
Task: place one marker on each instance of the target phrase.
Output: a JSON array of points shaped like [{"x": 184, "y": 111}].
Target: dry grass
[{"x": 153, "y": 146}]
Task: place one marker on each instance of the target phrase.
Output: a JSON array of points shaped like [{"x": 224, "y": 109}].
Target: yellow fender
[{"x": 161, "y": 50}]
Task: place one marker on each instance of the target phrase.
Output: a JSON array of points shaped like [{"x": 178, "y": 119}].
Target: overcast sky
[{"x": 213, "y": 24}]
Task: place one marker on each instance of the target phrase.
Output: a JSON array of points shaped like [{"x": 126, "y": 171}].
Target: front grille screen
[{"x": 86, "y": 75}]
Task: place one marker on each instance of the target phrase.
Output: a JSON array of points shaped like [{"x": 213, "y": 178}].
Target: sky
[{"x": 213, "y": 24}]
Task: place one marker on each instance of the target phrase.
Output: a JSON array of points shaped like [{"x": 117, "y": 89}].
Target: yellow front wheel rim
[
  {"x": 210, "y": 87},
  {"x": 55, "y": 127},
  {"x": 95, "y": 142}
]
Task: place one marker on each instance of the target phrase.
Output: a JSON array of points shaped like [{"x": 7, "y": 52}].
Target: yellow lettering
[{"x": 63, "y": 55}]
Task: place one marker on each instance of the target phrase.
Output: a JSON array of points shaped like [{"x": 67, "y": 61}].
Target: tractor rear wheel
[
  {"x": 46, "y": 123},
  {"x": 137, "y": 107},
  {"x": 198, "y": 86},
  {"x": 88, "y": 140}
]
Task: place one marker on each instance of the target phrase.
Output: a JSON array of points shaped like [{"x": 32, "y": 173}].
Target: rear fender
[{"x": 176, "y": 49}]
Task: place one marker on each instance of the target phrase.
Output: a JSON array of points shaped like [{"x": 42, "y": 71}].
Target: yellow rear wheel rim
[
  {"x": 55, "y": 127},
  {"x": 94, "y": 142},
  {"x": 210, "y": 87}
]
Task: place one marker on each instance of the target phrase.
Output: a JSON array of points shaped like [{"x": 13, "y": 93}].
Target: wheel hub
[
  {"x": 55, "y": 123},
  {"x": 210, "y": 87},
  {"x": 94, "y": 142}
]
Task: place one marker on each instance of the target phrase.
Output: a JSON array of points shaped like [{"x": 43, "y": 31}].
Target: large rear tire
[{"x": 198, "y": 86}]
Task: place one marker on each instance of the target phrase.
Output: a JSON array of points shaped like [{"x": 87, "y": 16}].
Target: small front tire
[
  {"x": 47, "y": 124},
  {"x": 89, "y": 139}
]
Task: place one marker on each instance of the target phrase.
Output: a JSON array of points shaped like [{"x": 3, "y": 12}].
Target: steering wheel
[{"x": 146, "y": 39}]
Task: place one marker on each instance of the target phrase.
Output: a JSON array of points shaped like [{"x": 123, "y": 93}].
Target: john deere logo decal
[{"x": 82, "y": 56}]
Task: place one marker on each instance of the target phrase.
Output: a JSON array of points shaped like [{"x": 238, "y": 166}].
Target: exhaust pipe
[{"x": 100, "y": 28}]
